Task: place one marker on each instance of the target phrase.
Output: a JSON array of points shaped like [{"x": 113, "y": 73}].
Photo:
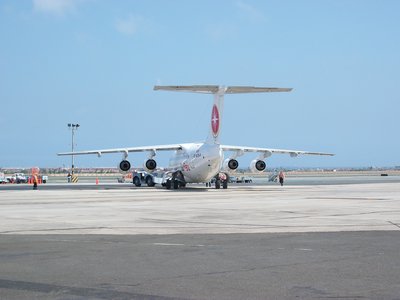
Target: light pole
[{"x": 73, "y": 127}]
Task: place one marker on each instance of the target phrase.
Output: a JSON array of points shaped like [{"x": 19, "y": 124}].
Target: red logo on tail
[{"x": 215, "y": 121}]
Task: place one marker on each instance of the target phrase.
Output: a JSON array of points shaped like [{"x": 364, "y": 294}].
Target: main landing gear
[{"x": 221, "y": 179}]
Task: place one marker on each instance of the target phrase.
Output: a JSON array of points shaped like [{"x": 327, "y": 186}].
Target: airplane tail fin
[{"x": 218, "y": 106}]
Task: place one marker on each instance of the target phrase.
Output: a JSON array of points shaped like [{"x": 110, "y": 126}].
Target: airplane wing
[
  {"x": 268, "y": 151},
  {"x": 126, "y": 150}
]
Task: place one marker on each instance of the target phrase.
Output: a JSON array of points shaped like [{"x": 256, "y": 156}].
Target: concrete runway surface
[{"x": 247, "y": 242}]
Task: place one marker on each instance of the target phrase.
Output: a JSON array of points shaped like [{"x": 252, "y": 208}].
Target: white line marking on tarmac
[
  {"x": 167, "y": 244},
  {"x": 171, "y": 244}
]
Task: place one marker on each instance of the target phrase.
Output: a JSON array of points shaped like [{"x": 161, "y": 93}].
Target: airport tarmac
[{"x": 247, "y": 242}]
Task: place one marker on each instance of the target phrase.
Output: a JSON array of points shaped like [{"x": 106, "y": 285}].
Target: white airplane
[{"x": 200, "y": 162}]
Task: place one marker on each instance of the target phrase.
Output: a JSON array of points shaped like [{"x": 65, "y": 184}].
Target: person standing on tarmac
[
  {"x": 281, "y": 177},
  {"x": 35, "y": 181}
]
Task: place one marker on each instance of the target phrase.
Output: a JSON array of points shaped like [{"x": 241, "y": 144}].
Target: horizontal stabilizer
[
  {"x": 214, "y": 89},
  {"x": 207, "y": 89},
  {"x": 253, "y": 89}
]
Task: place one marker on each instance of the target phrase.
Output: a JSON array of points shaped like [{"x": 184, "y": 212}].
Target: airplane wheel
[
  {"x": 168, "y": 184},
  {"x": 136, "y": 181},
  {"x": 176, "y": 184},
  {"x": 217, "y": 184},
  {"x": 225, "y": 184}
]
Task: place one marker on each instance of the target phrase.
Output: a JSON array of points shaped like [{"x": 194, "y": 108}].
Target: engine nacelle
[
  {"x": 257, "y": 165},
  {"x": 230, "y": 164},
  {"x": 150, "y": 165},
  {"x": 124, "y": 166}
]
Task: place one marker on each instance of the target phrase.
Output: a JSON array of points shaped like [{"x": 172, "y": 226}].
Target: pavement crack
[{"x": 395, "y": 224}]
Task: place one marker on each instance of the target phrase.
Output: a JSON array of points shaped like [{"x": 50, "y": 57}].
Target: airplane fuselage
[{"x": 199, "y": 162}]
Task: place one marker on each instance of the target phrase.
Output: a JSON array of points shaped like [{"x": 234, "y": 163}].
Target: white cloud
[
  {"x": 57, "y": 7},
  {"x": 250, "y": 12},
  {"x": 129, "y": 25},
  {"x": 221, "y": 31}
]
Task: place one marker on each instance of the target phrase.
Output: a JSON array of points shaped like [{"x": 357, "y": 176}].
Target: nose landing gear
[{"x": 176, "y": 181}]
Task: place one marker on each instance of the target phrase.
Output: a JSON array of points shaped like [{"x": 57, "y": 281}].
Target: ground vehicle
[
  {"x": 139, "y": 177},
  {"x": 18, "y": 178},
  {"x": 273, "y": 177},
  {"x": 241, "y": 179},
  {"x": 244, "y": 180},
  {"x": 125, "y": 178},
  {"x": 2, "y": 178}
]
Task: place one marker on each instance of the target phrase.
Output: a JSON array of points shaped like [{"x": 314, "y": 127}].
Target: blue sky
[{"x": 95, "y": 63}]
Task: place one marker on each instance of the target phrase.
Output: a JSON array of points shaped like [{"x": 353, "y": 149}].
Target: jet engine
[
  {"x": 124, "y": 166},
  {"x": 230, "y": 164},
  {"x": 149, "y": 165},
  {"x": 257, "y": 165}
]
